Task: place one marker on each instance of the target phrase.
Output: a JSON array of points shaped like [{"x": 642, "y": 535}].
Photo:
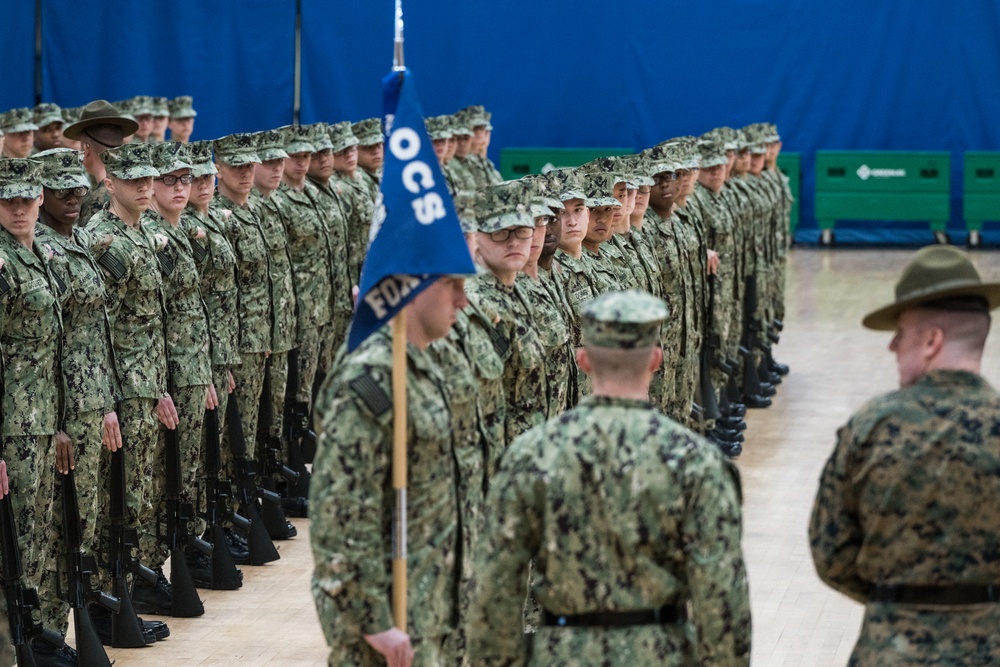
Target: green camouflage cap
[
  {"x": 663, "y": 158},
  {"x": 170, "y": 156},
  {"x": 20, "y": 178},
  {"x": 475, "y": 115},
  {"x": 141, "y": 104},
  {"x": 182, "y": 107},
  {"x": 71, "y": 115},
  {"x": 17, "y": 120},
  {"x": 755, "y": 142},
  {"x": 296, "y": 139},
  {"x": 319, "y": 138},
  {"x": 614, "y": 166},
  {"x": 623, "y": 320},
  {"x": 161, "y": 107},
  {"x": 503, "y": 206},
  {"x": 459, "y": 125},
  {"x": 541, "y": 195},
  {"x": 713, "y": 154},
  {"x": 438, "y": 127},
  {"x": 62, "y": 169},
  {"x": 270, "y": 145},
  {"x": 129, "y": 161},
  {"x": 771, "y": 133},
  {"x": 598, "y": 187},
  {"x": 200, "y": 153},
  {"x": 489, "y": 118},
  {"x": 368, "y": 131},
  {"x": 236, "y": 149},
  {"x": 567, "y": 183},
  {"x": 341, "y": 136},
  {"x": 465, "y": 208},
  {"x": 47, "y": 113},
  {"x": 125, "y": 109},
  {"x": 641, "y": 169},
  {"x": 742, "y": 140}
]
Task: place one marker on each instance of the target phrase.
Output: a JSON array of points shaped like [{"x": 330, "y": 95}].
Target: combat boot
[
  {"x": 154, "y": 598},
  {"x": 48, "y": 655}
]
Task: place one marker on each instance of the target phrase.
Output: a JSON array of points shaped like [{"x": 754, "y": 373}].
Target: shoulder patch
[
  {"x": 112, "y": 265},
  {"x": 166, "y": 262},
  {"x": 198, "y": 250},
  {"x": 500, "y": 344},
  {"x": 372, "y": 394}
]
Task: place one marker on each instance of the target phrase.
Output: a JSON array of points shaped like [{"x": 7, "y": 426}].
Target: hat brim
[
  {"x": 20, "y": 191},
  {"x": 370, "y": 141},
  {"x": 204, "y": 169},
  {"x": 343, "y": 145},
  {"x": 20, "y": 127},
  {"x": 238, "y": 159},
  {"x": 887, "y": 317},
  {"x": 75, "y": 131},
  {"x": 496, "y": 223},
  {"x": 268, "y": 154},
  {"x": 133, "y": 173},
  {"x": 71, "y": 181}
]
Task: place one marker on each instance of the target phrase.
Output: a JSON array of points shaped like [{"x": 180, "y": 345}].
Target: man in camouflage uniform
[
  {"x": 476, "y": 161},
  {"x": 355, "y": 198},
  {"x": 30, "y": 338},
  {"x": 18, "y": 131},
  {"x": 351, "y": 497},
  {"x": 592, "y": 498},
  {"x": 141, "y": 108},
  {"x": 47, "y": 117},
  {"x": 456, "y": 172},
  {"x": 505, "y": 231},
  {"x": 439, "y": 130},
  {"x": 182, "y": 115},
  {"x": 161, "y": 119},
  {"x": 371, "y": 153},
  {"x": 90, "y": 385},
  {"x": 606, "y": 264},
  {"x": 903, "y": 518},
  {"x": 100, "y": 127}
]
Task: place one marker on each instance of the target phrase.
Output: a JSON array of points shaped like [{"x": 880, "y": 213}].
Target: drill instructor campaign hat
[
  {"x": 100, "y": 112},
  {"x": 934, "y": 275}
]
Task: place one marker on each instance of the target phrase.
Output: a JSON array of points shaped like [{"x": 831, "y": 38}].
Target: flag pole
[{"x": 399, "y": 414}]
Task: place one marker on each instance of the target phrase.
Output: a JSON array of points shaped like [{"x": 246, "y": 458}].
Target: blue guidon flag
[{"x": 415, "y": 235}]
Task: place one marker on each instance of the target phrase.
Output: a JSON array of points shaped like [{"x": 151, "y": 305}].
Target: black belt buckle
[
  {"x": 666, "y": 615},
  {"x": 955, "y": 595}
]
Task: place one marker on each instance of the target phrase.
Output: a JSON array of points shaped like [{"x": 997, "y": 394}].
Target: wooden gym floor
[{"x": 798, "y": 622}]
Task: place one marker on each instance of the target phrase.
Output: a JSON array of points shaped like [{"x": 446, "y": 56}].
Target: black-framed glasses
[
  {"x": 76, "y": 192},
  {"x": 664, "y": 176},
  {"x": 170, "y": 181},
  {"x": 502, "y": 235}
]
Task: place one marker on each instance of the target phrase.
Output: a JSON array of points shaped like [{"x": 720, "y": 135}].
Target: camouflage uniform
[
  {"x": 350, "y": 507},
  {"x": 599, "y": 501},
  {"x": 555, "y": 334},
  {"x": 369, "y": 133},
  {"x": 95, "y": 200},
  {"x": 900, "y": 502},
  {"x": 329, "y": 203},
  {"x": 355, "y": 201},
  {"x": 580, "y": 286}
]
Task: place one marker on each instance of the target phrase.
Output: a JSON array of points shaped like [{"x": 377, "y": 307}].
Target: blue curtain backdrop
[
  {"x": 234, "y": 58},
  {"x": 17, "y": 53},
  {"x": 873, "y": 75}
]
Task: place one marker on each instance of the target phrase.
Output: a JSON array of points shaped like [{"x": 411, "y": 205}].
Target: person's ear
[{"x": 582, "y": 360}]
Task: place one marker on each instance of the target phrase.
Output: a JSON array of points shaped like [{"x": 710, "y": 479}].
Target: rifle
[
  {"x": 225, "y": 575},
  {"x": 126, "y": 631},
  {"x": 298, "y": 435},
  {"x": 261, "y": 547},
  {"x": 709, "y": 353},
  {"x": 79, "y": 570},
  {"x": 751, "y": 340},
  {"x": 184, "y": 600},
  {"x": 270, "y": 450},
  {"x": 21, "y": 600}
]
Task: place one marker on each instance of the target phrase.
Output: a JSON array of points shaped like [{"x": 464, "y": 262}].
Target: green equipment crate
[
  {"x": 882, "y": 185},
  {"x": 516, "y": 162},
  {"x": 981, "y": 191},
  {"x": 790, "y": 165}
]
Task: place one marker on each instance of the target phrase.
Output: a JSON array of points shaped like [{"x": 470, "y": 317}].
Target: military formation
[{"x": 156, "y": 289}]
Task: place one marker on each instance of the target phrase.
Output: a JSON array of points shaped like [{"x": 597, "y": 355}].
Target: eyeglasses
[
  {"x": 76, "y": 192},
  {"x": 519, "y": 232},
  {"x": 644, "y": 189},
  {"x": 170, "y": 181},
  {"x": 665, "y": 176}
]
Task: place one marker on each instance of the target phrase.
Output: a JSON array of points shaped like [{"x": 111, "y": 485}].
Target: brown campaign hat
[
  {"x": 934, "y": 274},
  {"x": 100, "y": 112}
]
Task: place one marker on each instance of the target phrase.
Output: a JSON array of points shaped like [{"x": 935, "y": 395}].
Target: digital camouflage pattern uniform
[
  {"x": 620, "y": 509},
  {"x": 355, "y": 201},
  {"x": 133, "y": 283},
  {"x": 351, "y": 500},
  {"x": 901, "y": 502},
  {"x": 369, "y": 133}
]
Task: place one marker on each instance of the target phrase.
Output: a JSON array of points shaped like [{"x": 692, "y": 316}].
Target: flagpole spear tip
[{"x": 397, "y": 52}]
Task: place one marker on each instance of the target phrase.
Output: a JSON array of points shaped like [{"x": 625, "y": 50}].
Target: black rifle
[
  {"x": 261, "y": 547},
  {"x": 79, "y": 570},
  {"x": 184, "y": 600},
  {"x": 126, "y": 631},
  {"x": 751, "y": 339},
  {"x": 21, "y": 600},
  {"x": 300, "y": 438},
  {"x": 270, "y": 451},
  {"x": 709, "y": 353},
  {"x": 225, "y": 574}
]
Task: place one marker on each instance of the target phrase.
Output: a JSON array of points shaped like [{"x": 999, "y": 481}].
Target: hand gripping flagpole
[{"x": 399, "y": 414}]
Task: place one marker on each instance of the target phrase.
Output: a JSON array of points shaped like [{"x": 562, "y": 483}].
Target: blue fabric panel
[
  {"x": 234, "y": 58},
  {"x": 17, "y": 53}
]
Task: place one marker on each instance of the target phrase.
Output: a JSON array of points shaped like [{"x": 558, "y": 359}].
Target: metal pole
[
  {"x": 297, "y": 75},
  {"x": 397, "y": 53}
]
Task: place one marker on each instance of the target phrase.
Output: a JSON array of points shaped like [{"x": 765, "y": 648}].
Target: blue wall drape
[{"x": 873, "y": 75}]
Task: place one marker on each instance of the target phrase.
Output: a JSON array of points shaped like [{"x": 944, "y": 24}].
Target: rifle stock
[
  {"x": 184, "y": 600},
  {"x": 225, "y": 574},
  {"x": 270, "y": 446},
  {"x": 262, "y": 549},
  {"x": 298, "y": 435}
]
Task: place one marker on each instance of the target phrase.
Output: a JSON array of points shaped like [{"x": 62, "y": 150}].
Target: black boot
[
  {"x": 756, "y": 401},
  {"x": 49, "y": 655},
  {"x": 238, "y": 547},
  {"x": 295, "y": 506},
  {"x": 150, "y": 598}
]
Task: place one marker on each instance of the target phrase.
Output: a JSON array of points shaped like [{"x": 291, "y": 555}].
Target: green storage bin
[
  {"x": 980, "y": 191},
  {"x": 883, "y": 185},
  {"x": 790, "y": 165},
  {"x": 517, "y": 162}
]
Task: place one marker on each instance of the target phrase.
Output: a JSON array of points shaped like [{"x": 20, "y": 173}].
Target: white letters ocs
[{"x": 417, "y": 175}]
